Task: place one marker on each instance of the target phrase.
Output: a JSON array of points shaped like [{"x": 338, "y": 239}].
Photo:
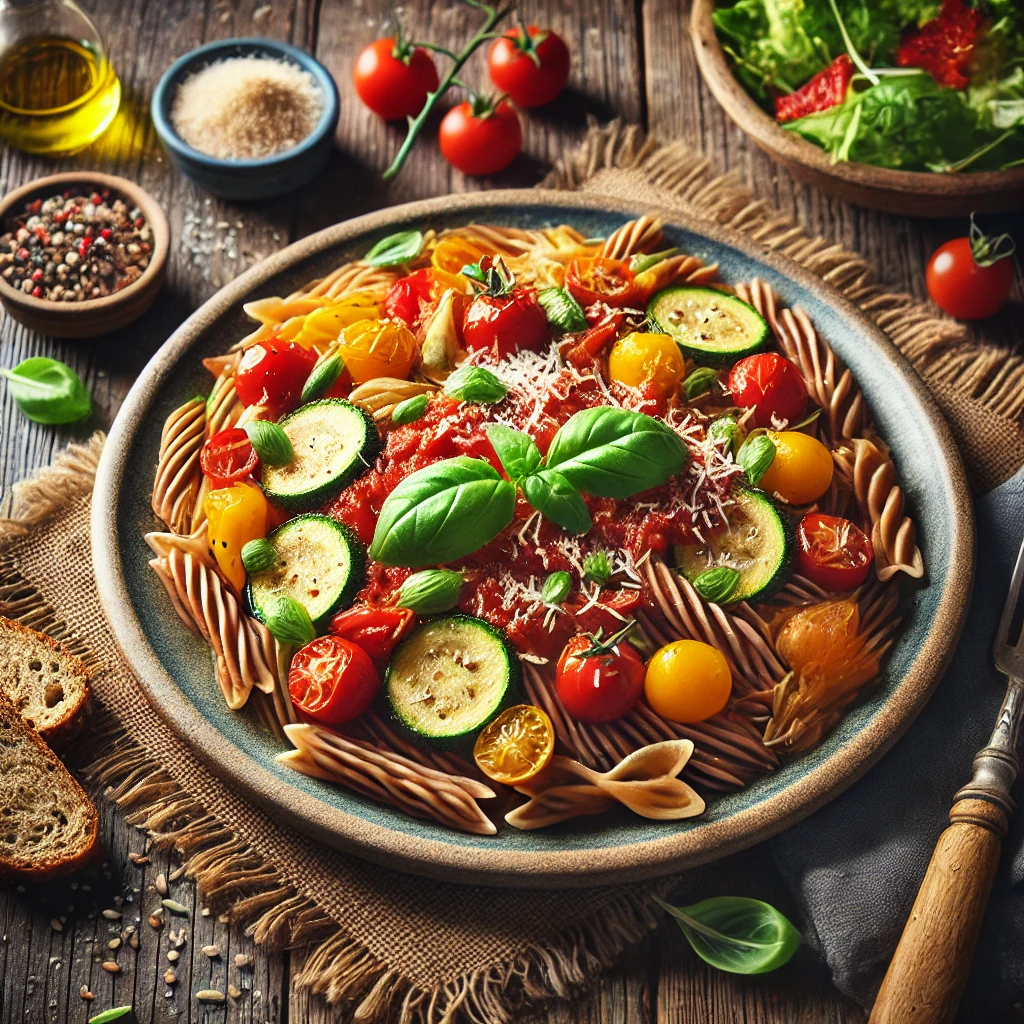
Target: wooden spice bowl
[
  {"x": 90, "y": 317},
  {"x": 913, "y": 193}
]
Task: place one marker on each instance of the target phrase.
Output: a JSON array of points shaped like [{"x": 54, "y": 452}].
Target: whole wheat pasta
[
  {"x": 640, "y": 235},
  {"x": 380, "y": 395},
  {"x": 177, "y": 472}
]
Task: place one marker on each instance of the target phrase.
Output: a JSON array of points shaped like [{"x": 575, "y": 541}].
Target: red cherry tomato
[
  {"x": 480, "y": 142},
  {"x": 228, "y": 457},
  {"x": 771, "y": 386},
  {"x": 529, "y": 82},
  {"x": 506, "y": 323},
  {"x": 409, "y": 297},
  {"x": 393, "y": 80},
  {"x": 375, "y": 629},
  {"x": 964, "y": 288},
  {"x": 597, "y": 279},
  {"x": 272, "y": 373},
  {"x": 598, "y": 683},
  {"x": 332, "y": 680},
  {"x": 832, "y": 552}
]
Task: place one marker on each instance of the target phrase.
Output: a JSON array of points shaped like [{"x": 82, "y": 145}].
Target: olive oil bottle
[{"x": 58, "y": 90}]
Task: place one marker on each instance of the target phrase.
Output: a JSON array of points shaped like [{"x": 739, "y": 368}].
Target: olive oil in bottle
[{"x": 57, "y": 92}]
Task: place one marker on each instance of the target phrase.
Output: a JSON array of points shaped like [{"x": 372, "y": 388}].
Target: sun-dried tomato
[
  {"x": 826, "y": 89},
  {"x": 945, "y": 45}
]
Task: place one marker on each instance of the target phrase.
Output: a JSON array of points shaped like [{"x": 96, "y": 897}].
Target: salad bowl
[
  {"x": 913, "y": 193},
  {"x": 178, "y": 673}
]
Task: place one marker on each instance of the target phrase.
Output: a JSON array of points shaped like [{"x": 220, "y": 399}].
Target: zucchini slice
[
  {"x": 334, "y": 442},
  {"x": 709, "y": 325},
  {"x": 320, "y": 563},
  {"x": 758, "y": 544},
  {"x": 450, "y": 678}
]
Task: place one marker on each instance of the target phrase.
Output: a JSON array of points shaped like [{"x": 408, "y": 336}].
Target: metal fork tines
[{"x": 1009, "y": 648}]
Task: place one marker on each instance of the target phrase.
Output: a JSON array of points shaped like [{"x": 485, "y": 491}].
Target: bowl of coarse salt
[{"x": 247, "y": 118}]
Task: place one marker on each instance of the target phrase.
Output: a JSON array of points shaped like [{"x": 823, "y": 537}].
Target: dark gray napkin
[{"x": 855, "y": 866}]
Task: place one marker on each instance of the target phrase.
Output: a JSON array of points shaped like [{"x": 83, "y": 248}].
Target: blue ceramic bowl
[{"x": 247, "y": 179}]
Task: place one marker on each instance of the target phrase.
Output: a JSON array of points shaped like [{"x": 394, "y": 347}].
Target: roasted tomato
[
  {"x": 235, "y": 515},
  {"x": 228, "y": 457},
  {"x": 801, "y": 470},
  {"x": 599, "y": 681},
  {"x": 832, "y": 552},
  {"x": 375, "y": 628},
  {"x": 531, "y": 66},
  {"x": 596, "y": 279},
  {"x": 826, "y": 89},
  {"x": 332, "y": 680},
  {"x": 378, "y": 348},
  {"x": 944, "y": 46},
  {"x": 770, "y": 385},
  {"x": 410, "y": 297},
  {"x": 480, "y": 137},
  {"x": 653, "y": 361},
  {"x": 688, "y": 681},
  {"x": 506, "y": 323},
  {"x": 594, "y": 340},
  {"x": 272, "y": 373},
  {"x": 515, "y": 746},
  {"x": 393, "y": 78}
]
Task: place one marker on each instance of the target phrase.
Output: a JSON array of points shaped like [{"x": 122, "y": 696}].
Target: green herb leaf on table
[
  {"x": 615, "y": 453},
  {"x": 396, "y": 249},
  {"x": 431, "y": 591},
  {"x": 517, "y": 452},
  {"x": 288, "y": 620},
  {"x": 410, "y": 410},
  {"x": 258, "y": 556},
  {"x": 48, "y": 391},
  {"x": 443, "y": 512},
  {"x": 121, "y": 1013},
  {"x": 322, "y": 376},
  {"x": 475, "y": 384},
  {"x": 755, "y": 455},
  {"x": 737, "y": 934},
  {"x": 557, "y": 588},
  {"x": 597, "y": 566},
  {"x": 271, "y": 442},
  {"x": 717, "y": 585},
  {"x": 557, "y": 499}
]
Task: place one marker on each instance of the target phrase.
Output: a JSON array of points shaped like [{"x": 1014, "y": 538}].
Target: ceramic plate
[{"x": 177, "y": 671}]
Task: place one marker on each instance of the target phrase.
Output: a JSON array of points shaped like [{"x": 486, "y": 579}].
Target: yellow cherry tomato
[
  {"x": 516, "y": 745},
  {"x": 653, "y": 359},
  {"x": 801, "y": 470},
  {"x": 324, "y": 326},
  {"x": 453, "y": 253},
  {"x": 688, "y": 681},
  {"x": 377, "y": 348},
  {"x": 235, "y": 515}
]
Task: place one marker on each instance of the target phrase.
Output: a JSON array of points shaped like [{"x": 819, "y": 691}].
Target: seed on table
[
  {"x": 212, "y": 951},
  {"x": 111, "y": 968},
  {"x": 112, "y": 915},
  {"x": 134, "y": 940},
  {"x": 56, "y": 925},
  {"x": 210, "y": 995},
  {"x": 175, "y": 907},
  {"x": 242, "y": 961},
  {"x": 157, "y": 919},
  {"x": 161, "y": 884},
  {"x": 138, "y": 859},
  {"x": 114, "y": 944},
  {"x": 86, "y": 994},
  {"x": 172, "y": 955},
  {"x": 170, "y": 977},
  {"x": 205, "y": 911},
  {"x": 234, "y": 991}
]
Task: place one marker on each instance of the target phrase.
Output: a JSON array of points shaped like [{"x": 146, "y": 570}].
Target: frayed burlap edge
[
  {"x": 942, "y": 351},
  {"x": 235, "y": 880}
]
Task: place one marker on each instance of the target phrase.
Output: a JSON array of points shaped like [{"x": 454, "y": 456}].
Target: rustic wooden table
[{"x": 632, "y": 59}]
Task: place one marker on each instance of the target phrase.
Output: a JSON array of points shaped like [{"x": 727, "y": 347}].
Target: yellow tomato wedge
[
  {"x": 687, "y": 681},
  {"x": 516, "y": 745},
  {"x": 324, "y": 326},
  {"x": 653, "y": 359},
  {"x": 378, "y": 348},
  {"x": 801, "y": 471},
  {"x": 235, "y": 515}
]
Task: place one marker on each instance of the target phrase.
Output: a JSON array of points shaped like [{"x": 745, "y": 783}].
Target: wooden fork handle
[{"x": 929, "y": 969}]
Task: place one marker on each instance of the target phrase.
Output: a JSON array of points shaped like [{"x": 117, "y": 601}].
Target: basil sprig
[
  {"x": 517, "y": 451},
  {"x": 562, "y": 309},
  {"x": 431, "y": 591},
  {"x": 48, "y": 391},
  {"x": 717, "y": 585},
  {"x": 475, "y": 384},
  {"x": 726, "y": 432},
  {"x": 395, "y": 249},
  {"x": 258, "y": 555},
  {"x": 755, "y": 455},
  {"x": 553, "y": 496},
  {"x": 737, "y": 934},
  {"x": 700, "y": 382},
  {"x": 289, "y": 621},
  {"x": 321, "y": 377},
  {"x": 556, "y": 588},
  {"x": 409, "y": 410},
  {"x": 271, "y": 442}
]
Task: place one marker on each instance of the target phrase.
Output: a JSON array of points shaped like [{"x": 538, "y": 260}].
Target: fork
[{"x": 929, "y": 969}]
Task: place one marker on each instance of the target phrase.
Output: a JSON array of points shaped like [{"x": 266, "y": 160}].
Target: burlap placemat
[{"x": 398, "y": 948}]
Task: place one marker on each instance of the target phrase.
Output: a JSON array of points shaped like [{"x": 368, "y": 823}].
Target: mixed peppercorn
[{"x": 69, "y": 248}]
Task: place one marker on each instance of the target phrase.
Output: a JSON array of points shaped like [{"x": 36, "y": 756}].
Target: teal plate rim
[{"x": 176, "y": 670}]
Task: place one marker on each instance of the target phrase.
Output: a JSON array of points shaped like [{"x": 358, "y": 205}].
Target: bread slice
[
  {"x": 47, "y": 684},
  {"x": 48, "y": 826}
]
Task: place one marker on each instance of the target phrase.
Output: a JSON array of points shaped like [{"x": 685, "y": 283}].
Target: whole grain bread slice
[
  {"x": 48, "y": 826},
  {"x": 47, "y": 684}
]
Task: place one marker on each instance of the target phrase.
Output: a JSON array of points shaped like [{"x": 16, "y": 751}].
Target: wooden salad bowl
[{"x": 913, "y": 193}]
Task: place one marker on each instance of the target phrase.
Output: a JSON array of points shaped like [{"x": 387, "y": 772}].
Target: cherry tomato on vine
[
  {"x": 393, "y": 78},
  {"x": 376, "y": 629},
  {"x": 228, "y": 457},
  {"x": 532, "y": 67},
  {"x": 477, "y": 137},
  {"x": 332, "y": 680},
  {"x": 506, "y": 323},
  {"x": 970, "y": 278},
  {"x": 598, "y": 681},
  {"x": 771, "y": 386},
  {"x": 832, "y": 552},
  {"x": 597, "y": 279},
  {"x": 272, "y": 373}
]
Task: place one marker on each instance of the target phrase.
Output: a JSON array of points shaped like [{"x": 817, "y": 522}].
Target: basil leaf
[
  {"x": 717, "y": 585},
  {"x": 288, "y": 620},
  {"x": 410, "y": 410},
  {"x": 431, "y": 591},
  {"x": 756, "y": 454},
  {"x": 554, "y": 497},
  {"x": 271, "y": 442},
  {"x": 443, "y": 512},
  {"x": 395, "y": 249},
  {"x": 736, "y": 934},
  {"x": 556, "y": 588},
  {"x": 562, "y": 309},
  {"x": 48, "y": 391},
  {"x": 518, "y": 452},
  {"x": 726, "y": 431},
  {"x": 475, "y": 384},
  {"x": 121, "y": 1013},
  {"x": 322, "y": 376},
  {"x": 597, "y": 566},
  {"x": 258, "y": 555},
  {"x": 615, "y": 453},
  {"x": 702, "y": 380}
]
